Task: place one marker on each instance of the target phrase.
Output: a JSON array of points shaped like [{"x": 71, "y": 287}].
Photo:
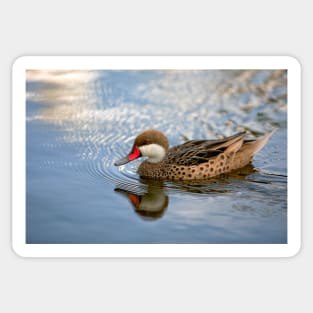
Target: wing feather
[{"x": 195, "y": 152}]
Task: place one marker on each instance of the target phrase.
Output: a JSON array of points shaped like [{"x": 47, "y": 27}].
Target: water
[{"x": 79, "y": 122}]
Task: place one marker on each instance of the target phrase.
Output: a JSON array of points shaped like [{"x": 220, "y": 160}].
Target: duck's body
[{"x": 193, "y": 160}]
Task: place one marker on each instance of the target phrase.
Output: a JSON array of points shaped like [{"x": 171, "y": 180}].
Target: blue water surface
[{"x": 79, "y": 122}]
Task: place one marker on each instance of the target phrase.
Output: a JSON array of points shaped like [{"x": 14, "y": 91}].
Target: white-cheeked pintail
[{"x": 194, "y": 159}]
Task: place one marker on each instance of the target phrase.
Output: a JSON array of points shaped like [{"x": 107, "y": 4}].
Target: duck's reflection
[
  {"x": 149, "y": 205},
  {"x": 151, "y": 199}
]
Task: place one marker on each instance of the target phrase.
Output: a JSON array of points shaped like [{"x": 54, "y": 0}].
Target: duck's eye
[{"x": 146, "y": 142}]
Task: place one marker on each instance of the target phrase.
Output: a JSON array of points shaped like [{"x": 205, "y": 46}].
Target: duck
[{"x": 198, "y": 159}]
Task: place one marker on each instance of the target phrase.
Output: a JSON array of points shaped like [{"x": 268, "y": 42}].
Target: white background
[{"x": 145, "y": 28}]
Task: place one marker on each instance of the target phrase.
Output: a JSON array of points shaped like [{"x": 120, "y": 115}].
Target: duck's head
[{"x": 151, "y": 144}]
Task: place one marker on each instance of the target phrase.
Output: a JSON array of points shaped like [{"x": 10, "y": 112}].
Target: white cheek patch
[{"x": 154, "y": 152}]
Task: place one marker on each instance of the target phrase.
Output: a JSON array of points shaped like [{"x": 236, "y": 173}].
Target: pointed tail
[{"x": 259, "y": 143}]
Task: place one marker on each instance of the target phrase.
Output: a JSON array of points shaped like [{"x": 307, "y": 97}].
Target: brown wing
[{"x": 195, "y": 152}]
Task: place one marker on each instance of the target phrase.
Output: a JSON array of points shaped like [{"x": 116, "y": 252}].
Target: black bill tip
[{"x": 121, "y": 161}]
